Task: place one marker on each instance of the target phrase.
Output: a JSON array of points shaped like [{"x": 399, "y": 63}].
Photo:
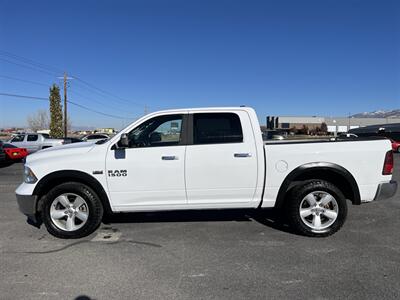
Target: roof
[{"x": 186, "y": 110}]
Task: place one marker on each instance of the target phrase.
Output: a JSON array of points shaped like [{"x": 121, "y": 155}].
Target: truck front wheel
[
  {"x": 316, "y": 208},
  {"x": 71, "y": 210}
]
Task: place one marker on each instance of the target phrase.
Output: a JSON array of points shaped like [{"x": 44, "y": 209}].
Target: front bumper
[
  {"x": 27, "y": 205},
  {"x": 386, "y": 190}
]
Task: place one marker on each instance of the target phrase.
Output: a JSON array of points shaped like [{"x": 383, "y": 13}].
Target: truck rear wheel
[
  {"x": 71, "y": 210},
  {"x": 317, "y": 208}
]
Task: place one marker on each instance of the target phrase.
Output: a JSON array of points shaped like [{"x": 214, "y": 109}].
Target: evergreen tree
[{"x": 56, "y": 118}]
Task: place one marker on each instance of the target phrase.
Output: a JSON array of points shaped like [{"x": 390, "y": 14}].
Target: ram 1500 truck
[{"x": 211, "y": 158}]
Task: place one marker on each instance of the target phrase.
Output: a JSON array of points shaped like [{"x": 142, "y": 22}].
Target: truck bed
[{"x": 363, "y": 158}]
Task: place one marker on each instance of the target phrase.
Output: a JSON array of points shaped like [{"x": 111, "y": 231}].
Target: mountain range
[{"x": 394, "y": 113}]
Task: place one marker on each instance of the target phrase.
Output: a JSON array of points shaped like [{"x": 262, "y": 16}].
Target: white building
[{"x": 338, "y": 124}]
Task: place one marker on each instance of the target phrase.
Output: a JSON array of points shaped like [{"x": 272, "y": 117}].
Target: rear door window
[
  {"x": 32, "y": 137},
  {"x": 216, "y": 128}
]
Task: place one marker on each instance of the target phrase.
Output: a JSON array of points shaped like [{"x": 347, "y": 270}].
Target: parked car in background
[
  {"x": 35, "y": 141},
  {"x": 347, "y": 135},
  {"x": 2, "y": 154},
  {"x": 390, "y": 131},
  {"x": 13, "y": 153},
  {"x": 395, "y": 145},
  {"x": 273, "y": 135},
  {"x": 70, "y": 140},
  {"x": 95, "y": 137}
]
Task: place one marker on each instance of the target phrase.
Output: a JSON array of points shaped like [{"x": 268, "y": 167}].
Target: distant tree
[
  {"x": 38, "y": 121},
  {"x": 56, "y": 118},
  {"x": 304, "y": 129},
  {"x": 324, "y": 128}
]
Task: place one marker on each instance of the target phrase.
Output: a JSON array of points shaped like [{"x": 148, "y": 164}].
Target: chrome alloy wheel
[
  {"x": 69, "y": 212},
  {"x": 319, "y": 210}
]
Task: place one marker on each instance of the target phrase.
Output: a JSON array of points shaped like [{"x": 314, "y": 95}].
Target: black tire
[
  {"x": 95, "y": 210},
  {"x": 300, "y": 192},
  {"x": 398, "y": 150}
]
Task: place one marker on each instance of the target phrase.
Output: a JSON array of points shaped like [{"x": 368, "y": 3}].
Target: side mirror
[{"x": 123, "y": 141}]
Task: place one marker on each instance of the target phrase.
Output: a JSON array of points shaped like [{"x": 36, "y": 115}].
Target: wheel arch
[
  {"x": 331, "y": 172},
  {"x": 58, "y": 177}
]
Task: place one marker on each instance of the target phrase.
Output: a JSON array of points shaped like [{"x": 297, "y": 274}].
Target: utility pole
[
  {"x": 65, "y": 79},
  {"x": 145, "y": 110},
  {"x": 65, "y": 106}
]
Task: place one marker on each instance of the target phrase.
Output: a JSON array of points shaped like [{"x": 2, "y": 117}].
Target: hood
[{"x": 63, "y": 150}]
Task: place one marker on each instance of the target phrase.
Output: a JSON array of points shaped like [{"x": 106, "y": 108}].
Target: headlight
[{"x": 29, "y": 177}]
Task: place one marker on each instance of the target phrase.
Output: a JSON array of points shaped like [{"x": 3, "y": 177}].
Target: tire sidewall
[
  {"x": 298, "y": 195},
  {"x": 92, "y": 201}
]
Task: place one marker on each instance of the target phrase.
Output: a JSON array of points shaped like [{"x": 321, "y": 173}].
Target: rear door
[
  {"x": 32, "y": 143},
  {"x": 221, "y": 160}
]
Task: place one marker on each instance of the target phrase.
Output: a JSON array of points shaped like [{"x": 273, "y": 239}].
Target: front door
[
  {"x": 18, "y": 141},
  {"x": 150, "y": 173}
]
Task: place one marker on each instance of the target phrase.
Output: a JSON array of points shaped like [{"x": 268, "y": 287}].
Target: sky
[{"x": 281, "y": 57}]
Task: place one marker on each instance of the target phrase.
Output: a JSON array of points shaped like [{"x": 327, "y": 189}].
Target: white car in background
[
  {"x": 347, "y": 135},
  {"x": 95, "y": 137}
]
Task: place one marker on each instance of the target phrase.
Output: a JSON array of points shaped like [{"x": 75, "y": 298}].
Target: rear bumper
[
  {"x": 386, "y": 190},
  {"x": 27, "y": 205}
]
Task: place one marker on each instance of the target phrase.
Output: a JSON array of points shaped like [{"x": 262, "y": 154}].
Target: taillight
[{"x": 388, "y": 164}]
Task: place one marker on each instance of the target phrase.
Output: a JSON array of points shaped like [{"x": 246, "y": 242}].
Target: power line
[
  {"x": 28, "y": 67},
  {"x": 83, "y": 97},
  {"x": 107, "y": 93},
  {"x": 69, "y": 101},
  {"x": 24, "y": 80},
  {"x": 95, "y": 111},
  {"x": 54, "y": 72},
  {"x": 23, "y": 96},
  {"x": 30, "y": 61}
]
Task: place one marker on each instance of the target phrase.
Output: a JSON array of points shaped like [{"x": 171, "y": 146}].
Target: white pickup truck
[
  {"x": 211, "y": 158},
  {"x": 34, "y": 141}
]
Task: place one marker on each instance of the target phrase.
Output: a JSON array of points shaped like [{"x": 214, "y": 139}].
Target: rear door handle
[
  {"x": 242, "y": 155},
  {"x": 172, "y": 157}
]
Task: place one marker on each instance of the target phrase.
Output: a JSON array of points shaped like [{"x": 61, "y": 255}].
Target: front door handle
[
  {"x": 242, "y": 155},
  {"x": 172, "y": 157}
]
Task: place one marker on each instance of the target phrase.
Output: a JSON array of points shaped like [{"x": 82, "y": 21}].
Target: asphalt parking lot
[{"x": 200, "y": 255}]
